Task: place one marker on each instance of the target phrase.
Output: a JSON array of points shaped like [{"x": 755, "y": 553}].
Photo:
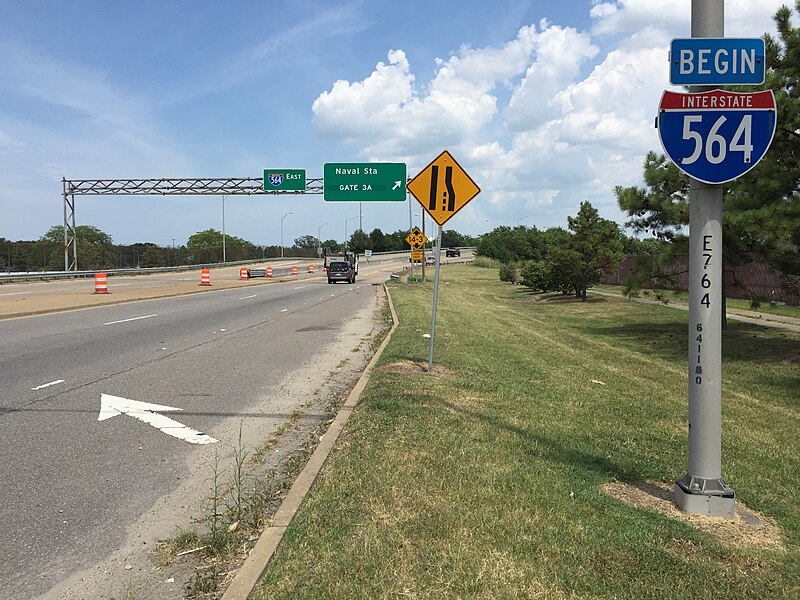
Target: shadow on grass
[
  {"x": 744, "y": 347},
  {"x": 551, "y": 449},
  {"x": 528, "y": 294},
  {"x": 741, "y": 342}
]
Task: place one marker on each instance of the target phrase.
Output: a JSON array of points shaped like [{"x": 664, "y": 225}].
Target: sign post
[
  {"x": 713, "y": 136},
  {"x": 442, "y": 188}
]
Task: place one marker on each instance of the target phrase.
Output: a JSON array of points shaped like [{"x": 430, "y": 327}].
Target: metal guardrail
[{"x": 49, "y": 275}]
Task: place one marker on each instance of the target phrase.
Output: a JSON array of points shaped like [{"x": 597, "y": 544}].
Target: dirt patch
[
  {"x": 747, "y": 530},
  {"x": 411, "y": 367}
]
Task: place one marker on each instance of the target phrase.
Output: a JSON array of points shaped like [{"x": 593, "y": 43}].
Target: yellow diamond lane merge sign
[
  {"x": 416, "y": 239},
  {"x": 443, "y": 188}
]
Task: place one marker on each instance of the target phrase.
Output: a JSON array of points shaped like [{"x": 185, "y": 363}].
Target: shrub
[
  {"x": 509, "y": 272},
  {"x": 486, "y": 263},
  {"x": 537, "y": 275}
]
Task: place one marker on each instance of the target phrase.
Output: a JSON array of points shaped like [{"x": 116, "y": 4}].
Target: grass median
[{"x": 487, "y": 478}]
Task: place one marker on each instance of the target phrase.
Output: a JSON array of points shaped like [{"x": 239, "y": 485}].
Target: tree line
[
  {"x": 96, "y": 250},
  {"x": 570, "y": 260}
]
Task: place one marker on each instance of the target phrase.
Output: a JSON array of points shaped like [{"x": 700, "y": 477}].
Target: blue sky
[{"x": 545, "y": 104}]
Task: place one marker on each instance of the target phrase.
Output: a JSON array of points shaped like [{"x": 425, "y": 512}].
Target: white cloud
[
  {"x": 562, "y": 135},
  {"x": 387, "y": 113},
  {"x": 743, "y": 18},
  {"x": 559, "y": 55}
]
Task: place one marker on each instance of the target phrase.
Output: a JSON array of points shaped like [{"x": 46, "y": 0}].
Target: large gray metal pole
[
  {"x": 435, "y": 293},
  {"x": 702, "y": 490},
  {"x": 66, "y": 242}
]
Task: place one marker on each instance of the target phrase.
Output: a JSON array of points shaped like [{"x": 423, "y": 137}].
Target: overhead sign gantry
[{"x": 227, "y": 186}]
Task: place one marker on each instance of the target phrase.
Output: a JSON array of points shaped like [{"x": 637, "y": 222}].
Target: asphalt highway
[{"x": 72, "y": 483}]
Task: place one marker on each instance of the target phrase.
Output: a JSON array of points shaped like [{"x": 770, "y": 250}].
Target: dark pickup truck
[{"x": 452, "y": 252}]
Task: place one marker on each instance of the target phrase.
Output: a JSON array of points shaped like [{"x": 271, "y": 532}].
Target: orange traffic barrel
[
  {"x": 294, "y": 269},
  {"x": 310, "y": 268},
  {"x": 205, "y": 276},
  {"x": 100, "y": 283},
  {"x": 243, "y": 273},
  {"x": 269, "y": 271}
]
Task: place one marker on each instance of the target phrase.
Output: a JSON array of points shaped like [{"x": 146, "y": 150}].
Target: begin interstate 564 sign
[
  {"x": 717, "y": 61},
  {"x": 716, "y": 136}
]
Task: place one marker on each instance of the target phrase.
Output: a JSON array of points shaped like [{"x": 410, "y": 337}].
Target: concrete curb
[{"x": 256, "y": 564}]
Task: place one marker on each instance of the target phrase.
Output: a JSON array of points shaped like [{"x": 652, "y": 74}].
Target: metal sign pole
[
  {"x": 437, "y": 250},
  {"x": 702, "y": 490}
]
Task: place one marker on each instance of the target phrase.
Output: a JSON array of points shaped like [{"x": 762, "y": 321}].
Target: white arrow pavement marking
[
  {"x": 46, "y": 385},
  {"x": 111, "y": 406},
  {"x": 131, "y": 319},
  {"x": 396, "y": 185}
]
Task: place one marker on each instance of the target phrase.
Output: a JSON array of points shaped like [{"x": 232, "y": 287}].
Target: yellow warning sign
[
  {"x": 416, "y": 255},
  {"x": 443, "y": 188},
  {"x": 416, "y": 239}
]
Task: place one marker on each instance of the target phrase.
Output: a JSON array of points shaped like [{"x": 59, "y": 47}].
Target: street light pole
[
  {"x": 223, "y": 228},
  {"x": 282, "y": 218},
  {"x": 319, "y": 241},
  {"x": 345, "y": 231},
  {"x": 521, "y": 218}
]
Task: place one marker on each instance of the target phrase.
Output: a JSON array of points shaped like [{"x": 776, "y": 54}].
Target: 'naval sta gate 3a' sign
[
  {"x": 716, "y": 136},
  {"x": 367, "y": 182}
]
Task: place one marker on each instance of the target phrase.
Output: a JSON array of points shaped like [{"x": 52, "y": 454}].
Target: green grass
[{"x": 485, "y": 483}]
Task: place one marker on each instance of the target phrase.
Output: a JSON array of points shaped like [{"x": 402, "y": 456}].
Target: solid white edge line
[
  {"x": 132, "y": 319},
  {"x": 44, "y": 385}
]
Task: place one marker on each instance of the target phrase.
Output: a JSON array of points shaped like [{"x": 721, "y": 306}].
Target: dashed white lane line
[
  {"x": 131, "y": 319},
  {"x": 13, "y": 293},
  {"x": 45, "y": 385},
  {"x": 248, "y": 297},
  {"x": 284, "y": 310}
]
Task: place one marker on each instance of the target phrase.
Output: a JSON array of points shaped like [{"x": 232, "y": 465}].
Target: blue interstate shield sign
[
  {"x": 275, "y": 179},
  {"x": 716, "y": 136}
]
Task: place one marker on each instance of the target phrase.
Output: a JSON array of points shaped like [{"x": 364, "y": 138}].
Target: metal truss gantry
[{"x": 228, "y": 186}]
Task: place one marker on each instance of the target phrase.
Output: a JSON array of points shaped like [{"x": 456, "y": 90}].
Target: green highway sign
[
  {"x": 284, "y": 180},
  {"x": 364, "y": 182}
]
